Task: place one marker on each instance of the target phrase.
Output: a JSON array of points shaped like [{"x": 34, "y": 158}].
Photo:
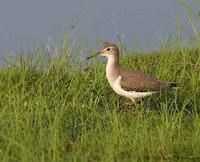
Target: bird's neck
[{"x": 112, "y": 68}]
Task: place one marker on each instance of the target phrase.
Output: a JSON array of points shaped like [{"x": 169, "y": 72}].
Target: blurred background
[{"x": 141, "y": 24}]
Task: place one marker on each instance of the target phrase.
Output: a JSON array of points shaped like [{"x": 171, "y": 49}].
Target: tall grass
[{"x": 51, "y": 110}]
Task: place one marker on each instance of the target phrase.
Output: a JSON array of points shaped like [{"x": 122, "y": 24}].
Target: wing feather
[{"x": 135, "y": 81}]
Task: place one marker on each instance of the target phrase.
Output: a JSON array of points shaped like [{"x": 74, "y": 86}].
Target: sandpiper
[{"x": 129, "y": 83}]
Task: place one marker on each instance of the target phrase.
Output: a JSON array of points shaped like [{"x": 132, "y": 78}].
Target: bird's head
[{"x": 109, "y": 50}]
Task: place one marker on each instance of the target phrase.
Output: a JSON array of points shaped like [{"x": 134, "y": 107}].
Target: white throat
[{"x": 111, "y": 69}]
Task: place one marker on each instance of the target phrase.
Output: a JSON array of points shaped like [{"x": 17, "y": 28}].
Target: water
[{"x": 27, "y": 22}]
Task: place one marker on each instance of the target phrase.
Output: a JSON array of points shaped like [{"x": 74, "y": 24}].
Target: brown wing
[{"x": 135, "y": 81}]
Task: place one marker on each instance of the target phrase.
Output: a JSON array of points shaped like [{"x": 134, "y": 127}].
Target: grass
[{"x": 53, "y": 111}]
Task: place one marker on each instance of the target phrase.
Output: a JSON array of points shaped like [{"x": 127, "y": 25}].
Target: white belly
[{"x": 129, "y": 94}]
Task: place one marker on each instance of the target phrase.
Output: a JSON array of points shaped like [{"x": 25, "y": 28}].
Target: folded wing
[{"x": 135, "y": 81}]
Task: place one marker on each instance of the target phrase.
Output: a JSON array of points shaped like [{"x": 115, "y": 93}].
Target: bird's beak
[{"x": 94, "y": 55}]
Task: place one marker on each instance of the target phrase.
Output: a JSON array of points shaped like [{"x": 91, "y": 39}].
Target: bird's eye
[{"x": 108, "y": 49}]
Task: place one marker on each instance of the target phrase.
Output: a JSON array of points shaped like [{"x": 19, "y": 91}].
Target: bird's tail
[{"x": 175, "y": 86}]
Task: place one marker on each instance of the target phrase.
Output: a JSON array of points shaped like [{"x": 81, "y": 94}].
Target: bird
[{"x": 130, "y": 83}]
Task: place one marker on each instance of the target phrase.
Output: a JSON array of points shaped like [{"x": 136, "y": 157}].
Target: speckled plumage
[{"x": 135, "y": 81}]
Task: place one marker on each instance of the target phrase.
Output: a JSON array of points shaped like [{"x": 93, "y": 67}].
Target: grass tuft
[{"x": 51, "y": 110}]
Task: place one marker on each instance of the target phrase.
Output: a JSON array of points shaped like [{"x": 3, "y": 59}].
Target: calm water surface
[{"x": 24, "y": 23}]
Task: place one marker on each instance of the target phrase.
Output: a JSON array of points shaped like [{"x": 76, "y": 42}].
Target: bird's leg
[
  {"x": 136, "y": 103},
  {"x": 120, "y": 108},
  {"x": 127, "y": 104},
  {"x": 123, "y": 105}
]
